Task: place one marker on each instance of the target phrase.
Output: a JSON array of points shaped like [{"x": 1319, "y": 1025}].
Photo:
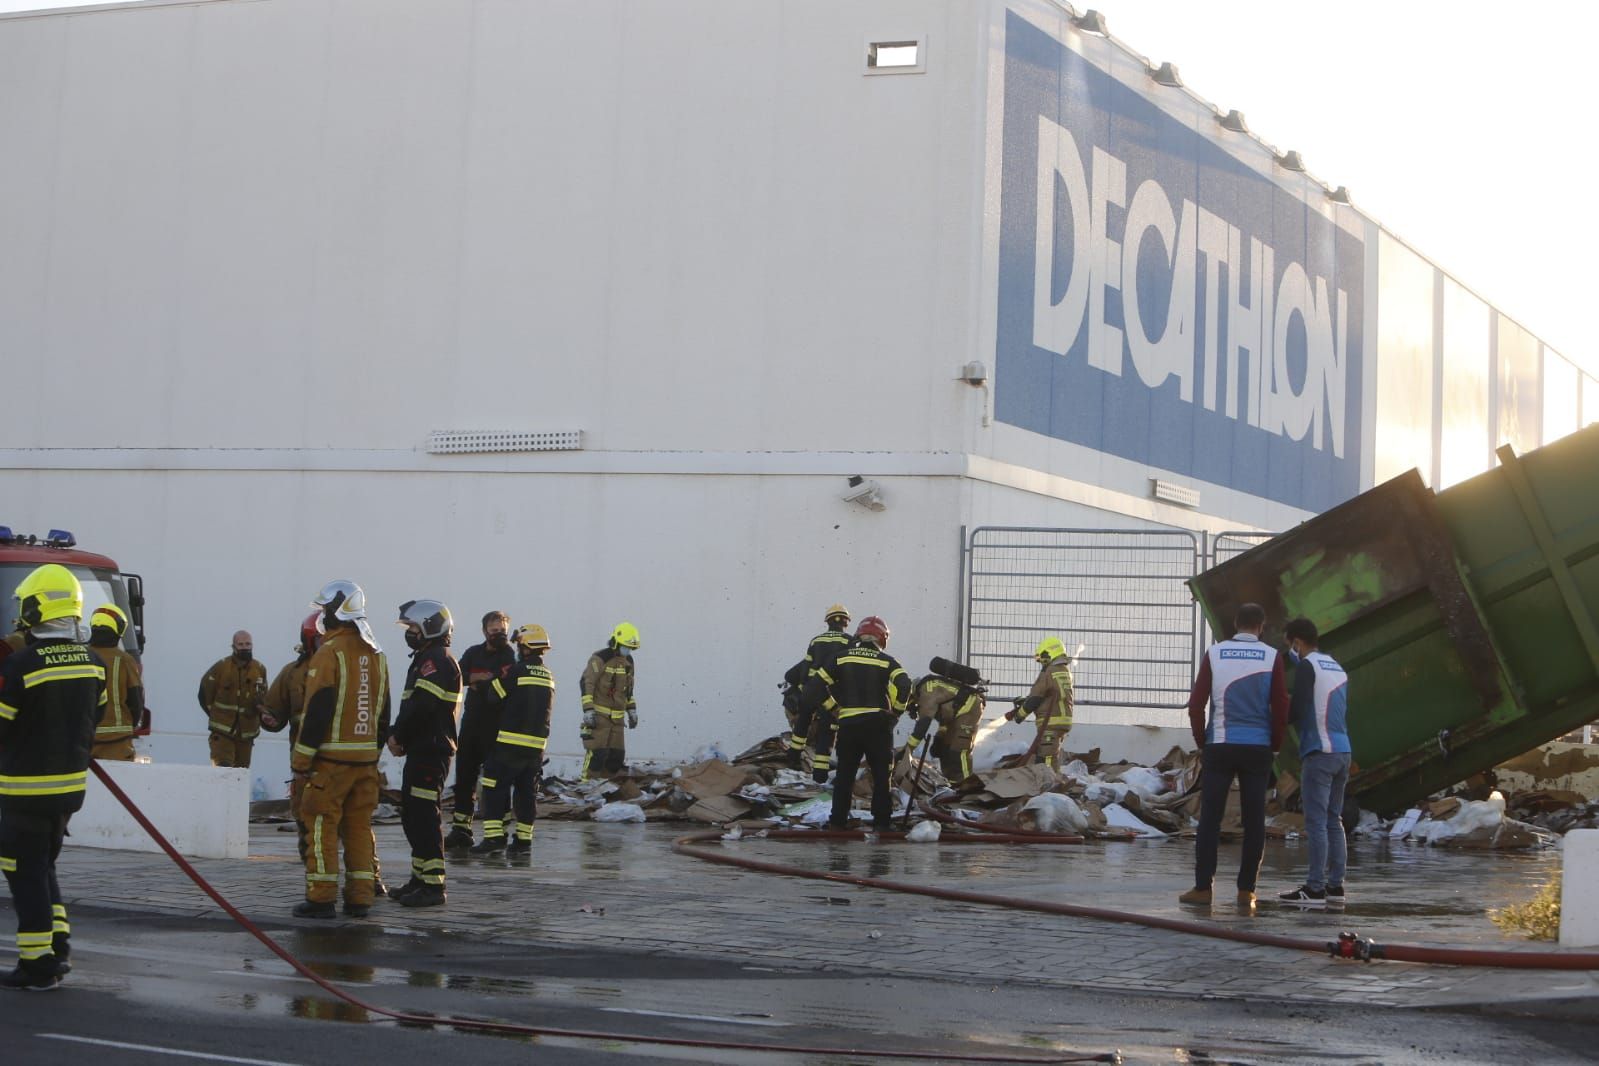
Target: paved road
[{"x": 165, "y": 989}]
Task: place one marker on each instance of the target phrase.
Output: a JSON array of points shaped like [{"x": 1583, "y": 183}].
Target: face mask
[
  {"x": 497, "y": 640},
  {"x": 413, "y": 638},
  {"x": 244, "y": 655},
  {"x": 103, "y": 637}
]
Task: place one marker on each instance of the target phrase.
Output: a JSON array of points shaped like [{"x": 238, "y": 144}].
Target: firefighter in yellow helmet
[
  {"x": 511, "y": 772},
  {"x": 335, "y": 759},
  {"x": 52, "y": 696},
  {"x": 607, "y": 693},
  {"x": 124, "y": 685},
  {"x": 1050, "y": 700},
  {"x": 823, "y": 649},
  {"x": 231, "y": 692}
]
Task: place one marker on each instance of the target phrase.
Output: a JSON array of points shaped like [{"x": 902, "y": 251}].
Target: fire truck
[{"x": 102, "y": 579}]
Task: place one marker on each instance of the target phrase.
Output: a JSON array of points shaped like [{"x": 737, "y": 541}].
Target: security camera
[
  {"x": 974, "y": 373},
  {"x": 864, "y": 491}
]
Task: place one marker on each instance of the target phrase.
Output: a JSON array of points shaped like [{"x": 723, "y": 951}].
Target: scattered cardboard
[
  {"x": 718, "y": 810},
  {"x": 1019, "y": 782},
  {"x": 714, "y": 778}
]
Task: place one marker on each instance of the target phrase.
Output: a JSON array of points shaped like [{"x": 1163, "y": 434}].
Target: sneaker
[
  {"x": 35, "y": 978},
  {"x": 519, "y": 847},
  {"x": 489, "y": 846},
  {"x": 308, "y": 909},
  {"x": 406, "y": 889},
  {"x": 1335, "y": 895},
  {"x": 426, "y": 896},
  {"x": 1304, "y": 897},
  {"x": 357, "y": 910},
  {"x": 459, "y": 839},
  {"x": 1196, "y": 895}
]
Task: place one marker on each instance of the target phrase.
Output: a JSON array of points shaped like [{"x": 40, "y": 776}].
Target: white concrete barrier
[
  {"x": 1579, "y": 920},
  {"x": 203, "y": 810}
]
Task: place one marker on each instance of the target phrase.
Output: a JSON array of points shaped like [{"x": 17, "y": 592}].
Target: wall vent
[
  {"x": 1171, "y": 492},
  {"x": 464, "y": 441},
  {"x": 907, "y": 56}
]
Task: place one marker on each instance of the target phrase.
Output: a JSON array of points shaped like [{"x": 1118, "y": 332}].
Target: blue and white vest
[
  {"x": 1324, "y": 729},
  {"x": 1240, "y": 691}
]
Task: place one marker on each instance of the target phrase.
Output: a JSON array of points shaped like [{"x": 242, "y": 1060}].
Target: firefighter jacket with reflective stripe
[
  {"x": 862, "y": 683},
  {"x": 124, "y": 689},
  {"x": 956, "y": 708},
  {"x": 229, "y": 692},
  {"x": 426, "y": 723},
  {"x": 286, "y": 698},
  {"x": 528, "y": 693},
  {"x": 481, "y": 664},
  {"x": 346, "y": 702},
  {"x": 607, "y": 684},
  {"x": 1051, "y": 695},
  {"x": 52, "y": 695}
]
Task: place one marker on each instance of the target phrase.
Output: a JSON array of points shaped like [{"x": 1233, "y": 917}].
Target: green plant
[{"x": 1538, "y": 918}]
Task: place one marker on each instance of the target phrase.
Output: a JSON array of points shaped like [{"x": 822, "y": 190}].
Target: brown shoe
[
  {"x": 1246, "y": 899},
  {"x": 1196, "y": 895}
]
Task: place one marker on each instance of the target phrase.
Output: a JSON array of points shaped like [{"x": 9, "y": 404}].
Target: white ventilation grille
[
  {"x": 1181, "y": 495},
  {"x": 459, "y": 442}
]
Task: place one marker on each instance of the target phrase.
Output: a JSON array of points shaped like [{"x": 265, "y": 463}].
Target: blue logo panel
[{"x": 1163, "y": 302}]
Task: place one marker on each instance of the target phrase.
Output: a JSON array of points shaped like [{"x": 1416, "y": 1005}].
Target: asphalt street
[{"x": 161, "y": 989}]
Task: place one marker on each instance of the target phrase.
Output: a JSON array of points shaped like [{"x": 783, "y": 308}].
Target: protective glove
[
  {"x": 588, "y": 721},
  {"x": 632, "y": 718},
  {"x": 819, "y": 775}
]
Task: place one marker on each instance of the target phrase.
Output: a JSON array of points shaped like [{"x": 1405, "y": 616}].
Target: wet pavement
[{"x": 623, "y": 886}]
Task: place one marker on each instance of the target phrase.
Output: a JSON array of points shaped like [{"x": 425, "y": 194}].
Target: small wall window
[{"x": 904, "y": 56}]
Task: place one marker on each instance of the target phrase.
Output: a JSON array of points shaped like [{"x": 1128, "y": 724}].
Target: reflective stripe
[
  {"x": 32, "y": 946},
  {"x": 321, "y": 873},
  {"x": 522, "y": 740},
  {"x": 536, "y": 680},
  {"x": 443, "y": 694},
  {"x": 861, "y": 660},
  {"x": 225, "y": 707},
  {"x": 796, "y": 742},
  {"x": 499, "y": 689},
  {"x": 113, "y": 730},
  {"x": 350, "y": 745},
  {"x": 7, "y": 711},
  {"x": 301, "y": 749},
  {"x": 46, "y": 785},
  {"x": 583, "y": 774},
  {"x": 588, "y": 701},
  {"x": 851, "y": 712},
  {"x": 323, "y": 878},
  {"x": 612, "y": 713},
  {"x": 524, "y": 831},
  {"x": 487, "y": 782},
  {"x": 428, "y": 864},
  {"x": 338, "y": 715},
  {"x": 62, "y": 673},
  {"x": 8, "y": 865},
  {"x": 424, "y": 793},
  {"x": 358, "y": 875}
]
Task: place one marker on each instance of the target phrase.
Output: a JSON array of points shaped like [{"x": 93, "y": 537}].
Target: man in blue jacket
[{"x": 1319, "y": 708}]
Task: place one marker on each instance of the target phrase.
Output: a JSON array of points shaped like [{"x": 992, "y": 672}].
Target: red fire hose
[
  {"x": 1346, "y": 946},
  {"x": 482, "y": 1026}
]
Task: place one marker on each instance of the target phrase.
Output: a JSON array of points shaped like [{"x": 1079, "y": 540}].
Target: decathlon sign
[{"x": 1164, "y": 302}]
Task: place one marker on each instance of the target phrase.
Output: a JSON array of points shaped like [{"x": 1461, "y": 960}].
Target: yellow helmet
[
  {"x": 533, "y": 637},
  {"x": 625, "y": 635},
  {"x": 110, "y": 616},
  {"x": 50, "y": 592},
  {"x": 838, "y": 610},
  {"x": 1049, "y": 648}
]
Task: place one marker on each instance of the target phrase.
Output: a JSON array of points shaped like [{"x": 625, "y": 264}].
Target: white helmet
[{"x": 343, "y": 599}]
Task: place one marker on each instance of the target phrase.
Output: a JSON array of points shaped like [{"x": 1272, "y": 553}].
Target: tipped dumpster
[{"x": 1465, "y": 618}]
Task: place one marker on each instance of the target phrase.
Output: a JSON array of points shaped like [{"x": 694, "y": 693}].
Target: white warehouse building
[{"x": 595, "y": 310}]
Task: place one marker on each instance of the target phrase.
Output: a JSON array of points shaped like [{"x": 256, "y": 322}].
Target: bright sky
[{"x": 1462, "y": 125}]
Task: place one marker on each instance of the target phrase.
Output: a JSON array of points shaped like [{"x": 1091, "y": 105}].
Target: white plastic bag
[
  {"x": 924, "y": 833},
  {"x": 619, "y": 812},
  {"x": 1055, "y": 813}
]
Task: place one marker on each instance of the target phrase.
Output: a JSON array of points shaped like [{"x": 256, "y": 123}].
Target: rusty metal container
[{"x": 1465, "y": 618}]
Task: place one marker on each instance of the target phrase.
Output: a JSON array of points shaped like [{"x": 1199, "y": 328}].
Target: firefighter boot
[
  {"x": 33, "y": 975},
  {"x": 406, "y": 889},
  {"x": 313, "y": 909},
  {"x": 356, "y": 910},
  {"x": 426, "y": 896},
  {"x": 459, "y": 838},
  {"x": 490, "y": 846}
]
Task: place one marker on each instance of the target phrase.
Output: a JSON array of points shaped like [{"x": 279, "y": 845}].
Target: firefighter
[
  {"x": 424, "y": 733},
  {"x": 864, "y": 690},
  {"x": 335, "y": 759},
  {"x": 958, "y": 711},
  {"x": 607, "y": 691},
  {"x": 285, "y": 706},
  {"x": 113, "y": 739},
  {"x": 1050, "y": 700},
  {"x": 822, "y": 650},
  {"x": 511, "y": 772},
  {"x": 480, "y": 665},
  {"x": 230, "y": 694},
  {"x": 52, "y": 696}
]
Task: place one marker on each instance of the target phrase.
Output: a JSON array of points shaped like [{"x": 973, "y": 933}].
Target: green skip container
[{"x": 1465, "y": 618}]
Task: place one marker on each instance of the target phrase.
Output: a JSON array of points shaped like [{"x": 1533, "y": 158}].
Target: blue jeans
[{"x": 1321, "y": 793}]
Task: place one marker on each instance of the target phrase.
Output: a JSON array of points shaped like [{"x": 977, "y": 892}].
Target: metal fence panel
[{"x": 1120, "y": 593}]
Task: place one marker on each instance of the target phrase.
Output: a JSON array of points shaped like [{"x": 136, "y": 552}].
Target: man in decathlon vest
[
  {"x": 1320, "y": 705},
  {"x": 1243, "y": 681}
]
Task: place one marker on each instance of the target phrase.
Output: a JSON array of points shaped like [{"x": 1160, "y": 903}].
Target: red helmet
[
  {"x": 874, "y": 627},
  {"x": 310, "y": 636}
]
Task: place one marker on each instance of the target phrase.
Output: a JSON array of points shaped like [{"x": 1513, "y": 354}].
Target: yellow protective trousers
[{"x": 337, "y": 802}]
